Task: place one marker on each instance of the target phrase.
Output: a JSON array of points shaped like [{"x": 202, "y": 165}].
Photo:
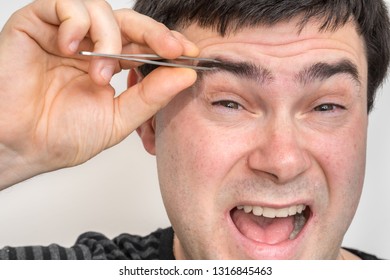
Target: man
[{"x": 256, "y": 159}]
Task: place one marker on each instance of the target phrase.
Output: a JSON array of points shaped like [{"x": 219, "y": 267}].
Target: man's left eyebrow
[{"x": 322, "y": 71}]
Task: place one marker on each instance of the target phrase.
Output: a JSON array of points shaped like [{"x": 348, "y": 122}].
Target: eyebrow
[
  {"x": 242, "y": 69},
  {"x": 322, "y": 71}
]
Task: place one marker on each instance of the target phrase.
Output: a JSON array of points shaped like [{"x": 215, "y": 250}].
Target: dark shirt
[{"x": 94, "y": 246}]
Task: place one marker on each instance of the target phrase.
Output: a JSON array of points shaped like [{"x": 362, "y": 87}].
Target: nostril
[{"x": 280, "y": 162}]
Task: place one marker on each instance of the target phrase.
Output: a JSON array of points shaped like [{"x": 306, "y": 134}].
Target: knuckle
[
  {"x": 100, "y": 4},
  {"x": 84, "y": 23}
]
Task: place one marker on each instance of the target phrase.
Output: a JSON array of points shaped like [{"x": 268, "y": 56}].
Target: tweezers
[{"x": 154, "y": 59}]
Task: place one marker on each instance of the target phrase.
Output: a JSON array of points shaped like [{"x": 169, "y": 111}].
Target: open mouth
[{"x": 269, "y": 225}]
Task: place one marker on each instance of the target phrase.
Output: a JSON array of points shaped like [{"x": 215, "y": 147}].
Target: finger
[
  {"x": 188, "y": 46},
  {"x": 72, "y": 18},
  {"x": 76, "y": 19},
  {"x": 190, "y": 49},
  {"x": 106, "y": 37},
  {"x": 153, "y": 34},
  {"x": 142, "y": 101}
]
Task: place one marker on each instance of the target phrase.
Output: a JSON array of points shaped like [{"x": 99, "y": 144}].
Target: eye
[
  {"x": 329, "y": 107},
  {"x": 228, "y": 104}
]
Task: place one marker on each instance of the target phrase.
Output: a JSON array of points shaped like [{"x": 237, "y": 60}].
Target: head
[{"x": 264, "y": 156}]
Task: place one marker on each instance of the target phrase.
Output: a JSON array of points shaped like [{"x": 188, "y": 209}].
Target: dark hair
[{"x": 226, "y": 16}]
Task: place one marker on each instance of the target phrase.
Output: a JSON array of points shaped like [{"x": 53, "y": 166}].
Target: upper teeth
[{"x": 272, "y": 212}]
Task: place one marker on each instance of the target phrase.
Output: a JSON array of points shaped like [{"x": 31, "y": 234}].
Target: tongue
[{"x": 261, "y": 229}]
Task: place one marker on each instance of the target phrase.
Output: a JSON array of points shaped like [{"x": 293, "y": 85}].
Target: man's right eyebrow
[{"x": 242, "y": 69}]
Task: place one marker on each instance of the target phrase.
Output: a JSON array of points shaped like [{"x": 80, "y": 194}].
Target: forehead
[{"x": 284, "y": 42}]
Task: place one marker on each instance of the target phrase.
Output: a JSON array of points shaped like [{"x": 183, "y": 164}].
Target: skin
[
  {"x": 63, "y": 111},
  {"x": 269, "y": 145}
]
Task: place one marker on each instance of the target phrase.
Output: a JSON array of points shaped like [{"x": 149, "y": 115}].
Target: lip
[{"x": 260, "y": 251}]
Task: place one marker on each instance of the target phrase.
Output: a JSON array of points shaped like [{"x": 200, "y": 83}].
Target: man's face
[{"x": 264, "y": 157}]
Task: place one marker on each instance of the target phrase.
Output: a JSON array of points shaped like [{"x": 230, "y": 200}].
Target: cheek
[
  {"x": 182, "y": 162},
  {"x": 194, "y": 158},
  {"x": 193, "y": 155},
  {"x": 343, "y": 163}
]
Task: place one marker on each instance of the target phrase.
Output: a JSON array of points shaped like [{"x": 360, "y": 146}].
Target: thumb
[{"x": 143, "y": 100}]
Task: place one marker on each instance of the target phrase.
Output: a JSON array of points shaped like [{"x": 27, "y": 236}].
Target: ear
[
  {"x": 147, "y": 133},
  {"x": 147, "y": 130}
]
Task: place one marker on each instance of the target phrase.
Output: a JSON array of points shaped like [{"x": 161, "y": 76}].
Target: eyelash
[
  {"x": 228, "y": 104},
  {"x": 328, "y": 107}
]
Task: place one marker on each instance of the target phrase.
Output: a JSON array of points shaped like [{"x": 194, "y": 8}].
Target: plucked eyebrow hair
[{"x": 260, "y": 74}]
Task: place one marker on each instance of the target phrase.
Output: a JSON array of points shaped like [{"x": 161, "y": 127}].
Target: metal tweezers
[{"x": 154, "y": 59}]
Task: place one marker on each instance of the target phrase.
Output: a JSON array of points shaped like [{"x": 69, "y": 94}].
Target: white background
[{"x": 118, "y": 190}]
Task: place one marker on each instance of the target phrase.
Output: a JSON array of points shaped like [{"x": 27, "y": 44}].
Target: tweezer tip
[{"x": 85, "y": 53}]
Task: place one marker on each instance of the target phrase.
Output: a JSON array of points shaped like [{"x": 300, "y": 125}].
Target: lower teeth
[{"x": 299, "y": 222}]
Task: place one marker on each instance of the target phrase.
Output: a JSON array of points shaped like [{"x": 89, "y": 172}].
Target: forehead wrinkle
[
  {"x": 242, "y": 69},
  {"x": 322, "y": 71}
]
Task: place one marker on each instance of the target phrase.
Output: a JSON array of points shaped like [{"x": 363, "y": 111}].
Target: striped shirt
[{"x": 95, "y": 246}]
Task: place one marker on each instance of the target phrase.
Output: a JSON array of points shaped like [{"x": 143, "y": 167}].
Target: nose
[{"x": 278, "y": 152}]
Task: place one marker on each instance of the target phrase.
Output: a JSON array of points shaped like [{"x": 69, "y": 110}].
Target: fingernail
[
  {"x": 73, "y": 46},
  {"x": 107, "y": 73}
]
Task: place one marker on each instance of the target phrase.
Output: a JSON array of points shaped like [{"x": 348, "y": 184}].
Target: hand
[{"x": 57, "y": 108}]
